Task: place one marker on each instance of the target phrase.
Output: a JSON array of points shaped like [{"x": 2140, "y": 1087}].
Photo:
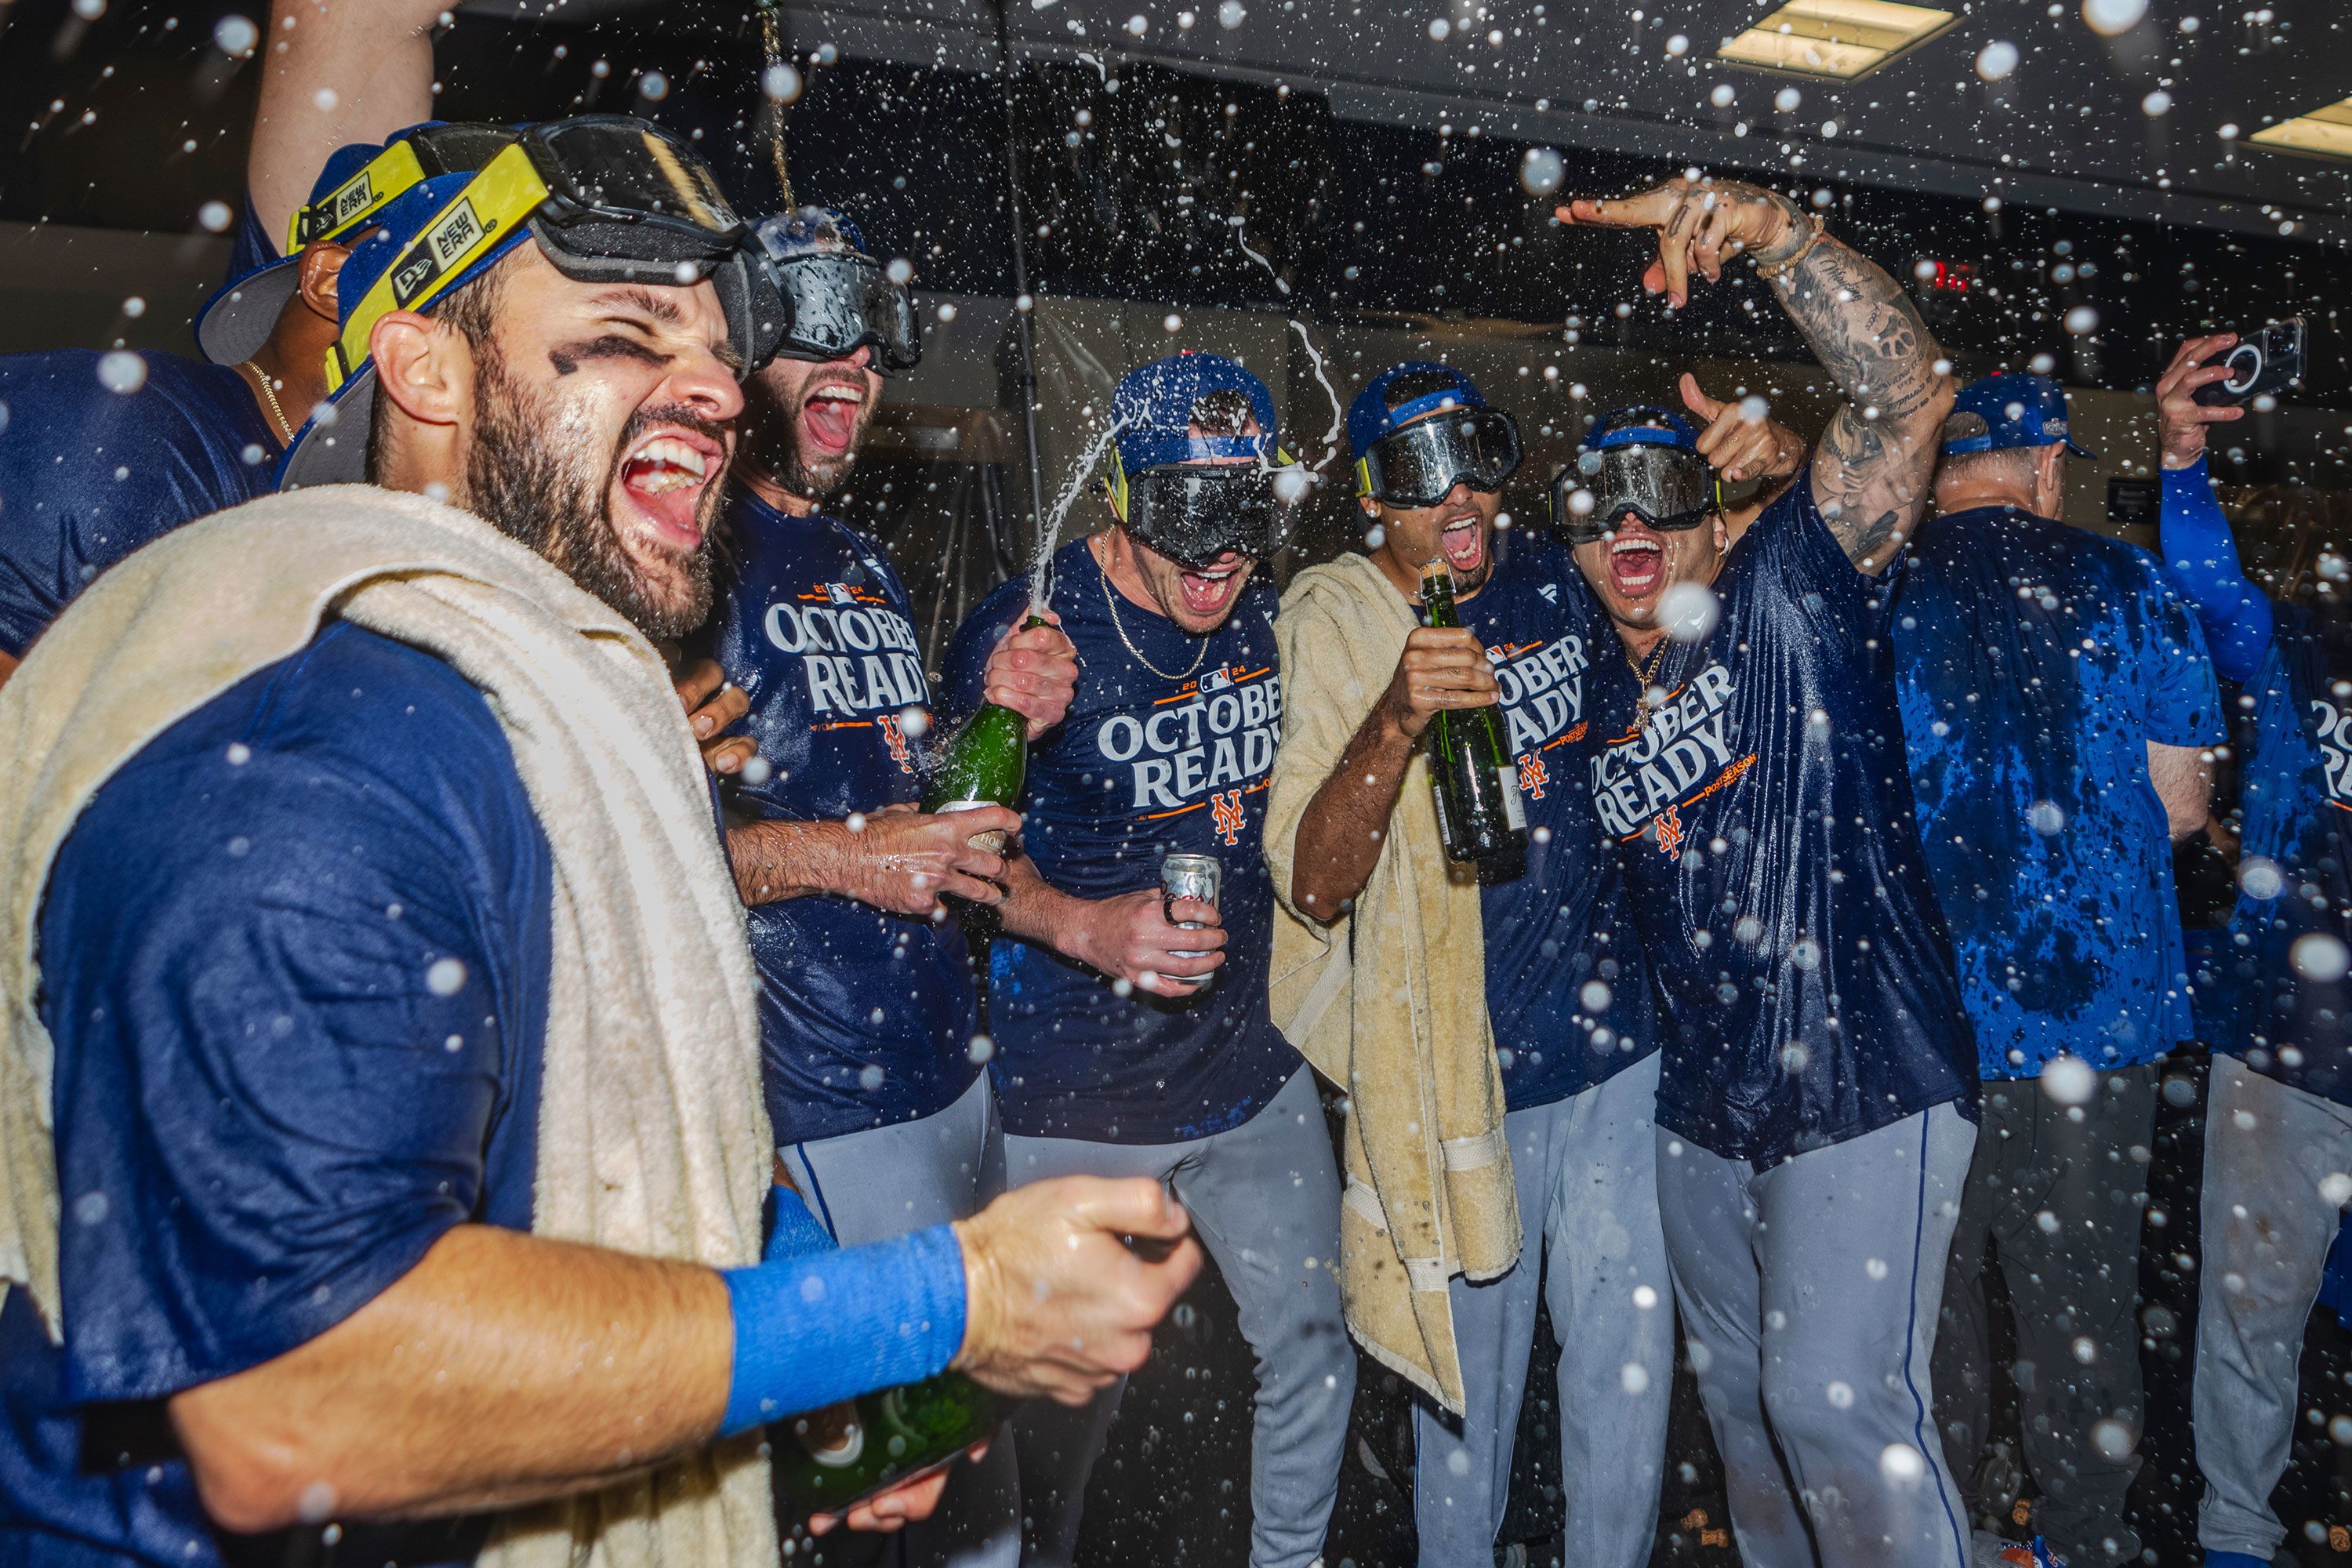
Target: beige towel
[
  {"x": 1390, "y": 1001},
  {"x": 652, "y": 1138}
]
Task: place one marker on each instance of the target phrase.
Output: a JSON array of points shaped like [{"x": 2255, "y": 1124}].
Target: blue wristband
[
  {"x": 793, "y": 1231},
  {"x": 818, "y": 1329}
]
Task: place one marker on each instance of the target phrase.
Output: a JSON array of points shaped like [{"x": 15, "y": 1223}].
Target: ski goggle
[
  {"x": 610, "y": 199},
  {"x": 424, "y": 153},
  {"x": 1194, "y": 514},
  {"x": 836, "y": 300},
  {"x": 1419, "y": 464},
  {"x": 1668, "y": 488}
]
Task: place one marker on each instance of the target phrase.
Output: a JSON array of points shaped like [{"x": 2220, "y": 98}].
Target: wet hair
[
  {"x": 2006, "y": 465},
  {"x": 1415, "y": 384},
  {"x": 1222, "y": 411}
]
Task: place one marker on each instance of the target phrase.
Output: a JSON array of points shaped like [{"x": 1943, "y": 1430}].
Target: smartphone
[{"x": 2269, "y": 361}]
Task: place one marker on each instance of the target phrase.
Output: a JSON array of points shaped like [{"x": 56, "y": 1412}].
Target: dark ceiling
[{"x": 2069, "y": 128}]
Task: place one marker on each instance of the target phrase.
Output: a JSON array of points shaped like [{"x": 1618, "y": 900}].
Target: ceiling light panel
[
  {"x": 2324, "y": 133},
  {"x": 1837, "y": 39}
]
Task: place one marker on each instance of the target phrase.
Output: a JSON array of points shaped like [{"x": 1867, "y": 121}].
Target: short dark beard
[
  {"x": 556, "y": 503},
  {"x": 774, "y": 440}
]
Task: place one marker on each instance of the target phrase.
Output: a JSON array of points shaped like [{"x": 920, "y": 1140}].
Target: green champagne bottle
[
  {"x": 985, "y": 764},
  {"x": 1479, "y": 813},
  {"x": 831, "y": 1458}
]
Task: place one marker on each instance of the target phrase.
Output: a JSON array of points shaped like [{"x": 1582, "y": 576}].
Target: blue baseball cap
[
  {"x": 1152, "y": 407},
  {"x": 1641, "y": 425},
  {"x": 2003, "y": 411},
  {"x": 236, "y": 321},
  {"x": 1369, "y": 417},
  {"x": 332, "y": 446}
]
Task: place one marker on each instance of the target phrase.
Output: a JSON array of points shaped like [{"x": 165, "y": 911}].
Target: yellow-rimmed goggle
[
  {"x": 1195, "y": 513},
  {"x": 612, "y": 200}
]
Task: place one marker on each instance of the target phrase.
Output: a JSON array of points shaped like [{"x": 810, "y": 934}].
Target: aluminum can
[{"x": 1197, "y": 877}]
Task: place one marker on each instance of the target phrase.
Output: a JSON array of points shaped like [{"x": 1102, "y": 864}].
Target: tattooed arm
[{"x": 1872, "y": 466}]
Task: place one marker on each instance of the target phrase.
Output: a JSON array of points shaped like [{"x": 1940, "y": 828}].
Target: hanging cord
[{"x": 772, "y": 35}]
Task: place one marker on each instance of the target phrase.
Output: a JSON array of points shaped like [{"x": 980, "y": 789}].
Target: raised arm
[
  {"x": 2192, "y": 535},
  {"x": 334, "y": 71},
  {"x": 1872, "y": 466}
]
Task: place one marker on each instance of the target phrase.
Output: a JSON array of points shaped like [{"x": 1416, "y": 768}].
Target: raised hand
[
  {"x": 1701, "y": 223},
  {"x": 2181, "y": 419},
  {"x": 1739, "y": 447}
]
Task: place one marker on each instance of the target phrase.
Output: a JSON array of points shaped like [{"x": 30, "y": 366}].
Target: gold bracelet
[{"x": 1773, "y": 270}]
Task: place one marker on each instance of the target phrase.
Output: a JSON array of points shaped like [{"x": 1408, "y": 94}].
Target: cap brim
[
  {"x": 332, "y": 447},
  {"x": 237, "y": 322},
  {"x": 2080, "y": 450}
]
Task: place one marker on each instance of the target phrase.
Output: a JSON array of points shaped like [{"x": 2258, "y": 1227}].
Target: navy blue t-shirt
[
  {"x": 88, "y": 474},
  {"x": 1145, "y": 765},
  {"x": 2036, "y": 663},
  {"x": 1568, "y": 993},
  {"x": 295, "y": 963},
  {"x": 1773, "y": 862},
  {"x": 2291, "y": 1012},
  {"x": 867, "y": 1018}
]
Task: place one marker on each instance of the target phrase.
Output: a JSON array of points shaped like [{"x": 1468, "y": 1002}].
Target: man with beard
[
  {"x": 1566, "y": 997},
  {"x": 2060, "y": 745},
  {"x": 1817, "y": 1094},
  {"x": 1131, "y": 1032},
  {"x": 868, "y": 1018},
  {"x": 382, "y": 1121}
]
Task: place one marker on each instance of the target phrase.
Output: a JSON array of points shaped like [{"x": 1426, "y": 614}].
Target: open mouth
[
  {"x": 1464, "y": 548},
  {"x": 1208, "y": 593},
  {"x": 1636, "y": 563},
  {"x": 830, "y": 417},
  {"x": 665, "y": 476}
]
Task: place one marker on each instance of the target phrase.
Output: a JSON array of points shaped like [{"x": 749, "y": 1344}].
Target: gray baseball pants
[
  {"x": 2278, "y": 1170},
  {"x": 1587, "y": 1171},
  {"x": 1264, "y": 1200},
  {"x": 888, "y": 1181},
  {"x": 1809, "y": 1295},
  {"x": 2058, "y": 1191}
]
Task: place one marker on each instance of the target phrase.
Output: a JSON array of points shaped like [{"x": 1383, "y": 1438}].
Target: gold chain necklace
[
  {"x": 1649, "y": 679},
  {"x": 261, "y": 377},
  {"x": 1111, "y": 599}
]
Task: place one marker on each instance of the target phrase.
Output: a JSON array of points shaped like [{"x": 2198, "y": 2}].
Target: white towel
[{"x": 652, "y": 1135}]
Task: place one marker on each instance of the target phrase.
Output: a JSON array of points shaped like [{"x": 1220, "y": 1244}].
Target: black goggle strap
[{"x": 577, "y": 158}]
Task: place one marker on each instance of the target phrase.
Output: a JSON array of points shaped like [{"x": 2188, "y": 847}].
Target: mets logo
[
  {"x": 1226, "y": 811},
  {"x": 1670, "y": 832},
  {"x": 896, "y": 739},
  {"x": 1533, "y": 776}
]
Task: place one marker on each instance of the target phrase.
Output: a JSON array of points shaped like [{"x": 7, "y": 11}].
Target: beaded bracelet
[{"x": 1773, "y": 270}]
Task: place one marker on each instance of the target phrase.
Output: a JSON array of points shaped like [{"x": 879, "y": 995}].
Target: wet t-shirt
[
  {"x": 2291, "y": 1018},
  {"x": 1568, "y": 993},
  {"x": 295, "y": 961},
  {"x": 87, "y": 474},
  {"x": 1167, "y": 749},
  {"x": 867, "y": 1017},
  {"x": 2036, "y": 663},
  {"x": 1772, "y": 859}
]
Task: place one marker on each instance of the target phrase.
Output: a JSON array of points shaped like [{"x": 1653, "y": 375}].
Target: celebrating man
[
  {"x": 2055, "y": 741},
  {"x": 879, "y": 1104},
  {"x": 1816, "y": 1094},
  {"x": 1131, "y": 1031},
  {"x": 382, "y": 1119},
  {"x": 1557, "y": 997}
]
